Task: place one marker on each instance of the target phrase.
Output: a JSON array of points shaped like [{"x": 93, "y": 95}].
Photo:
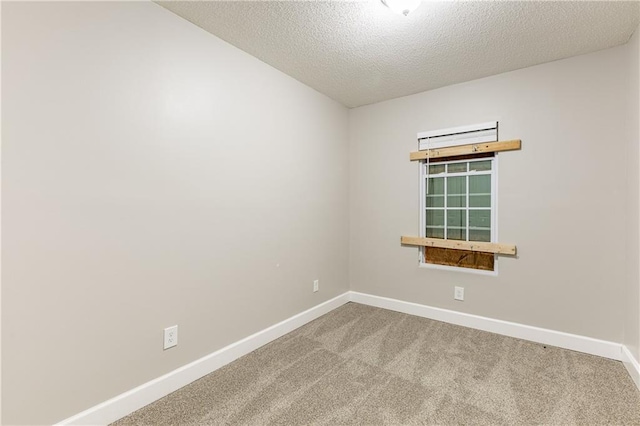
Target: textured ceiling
[{"x": 358, "y": 52}]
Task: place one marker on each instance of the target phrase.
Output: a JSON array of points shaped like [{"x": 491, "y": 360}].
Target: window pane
[
  {"x": 436, "y": 169},
  {"x": 435, "y": 200},
  {"x": 457, "y": 201},
  {"x": 457, "y": 185},
  {"x": 435, "y": 218},
  {"x": 467, "y": 199},
  {"x": 457, "y": 168},
  {"x": 479, "y": 166},
  {"x": 480, "y": 184},
  {"x": 456, "y": 218},
  {"x": 479, "y": 235},
  {"x": 457, "y": 191},
  {"x": 456, "y": 234},
  {"x": 456, "y": 224},
  {"x": 479, "y": 200},
  {"x": 435, "y": 232},
  {"x": 436, "y": 186},
  {"x": 435, "y": 196},
  {"x": 480, "y": 218}
]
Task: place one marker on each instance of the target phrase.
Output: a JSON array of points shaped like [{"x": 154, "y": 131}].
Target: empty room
[{"x": 375, "y": 212}]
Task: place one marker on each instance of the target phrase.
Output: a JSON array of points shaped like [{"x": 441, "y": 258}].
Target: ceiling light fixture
[{"x": 402, "y": 7}]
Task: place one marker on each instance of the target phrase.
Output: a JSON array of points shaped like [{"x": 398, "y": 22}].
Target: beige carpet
[{"x": 360, "y": 365}]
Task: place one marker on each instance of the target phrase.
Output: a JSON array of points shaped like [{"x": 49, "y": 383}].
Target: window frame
[{"x": 494, "y": 211}]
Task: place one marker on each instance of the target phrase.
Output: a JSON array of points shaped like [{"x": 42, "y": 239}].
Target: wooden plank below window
[
  {"x": 459, "y": 258},
  {"x": 496, "y": 248},
  {"x": 475, "y": 148}
]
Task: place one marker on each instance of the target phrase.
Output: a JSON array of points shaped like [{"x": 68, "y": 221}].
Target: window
[
  {"x": 458, "y": 199},
  {"x": 458, "y": 204},
  {"x": 458, "y": 174}
]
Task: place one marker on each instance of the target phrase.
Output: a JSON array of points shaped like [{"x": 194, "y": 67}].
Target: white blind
[{"x": 463, "y": 135}]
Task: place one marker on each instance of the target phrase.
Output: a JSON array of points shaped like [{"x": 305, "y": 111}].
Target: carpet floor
[{"x": 360, "y": 365}]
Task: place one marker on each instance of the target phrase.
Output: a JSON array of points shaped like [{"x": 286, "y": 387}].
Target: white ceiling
[{"x": 359, "y": 52}]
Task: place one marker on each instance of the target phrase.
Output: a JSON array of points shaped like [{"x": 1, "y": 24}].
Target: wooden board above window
[{"x": 476, "y": 148}]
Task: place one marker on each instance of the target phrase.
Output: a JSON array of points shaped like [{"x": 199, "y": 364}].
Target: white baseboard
[
  {"x": 128, "y": 402},
  {"x": 540, "y": 335},
  {"x": 632, "y": 365}
]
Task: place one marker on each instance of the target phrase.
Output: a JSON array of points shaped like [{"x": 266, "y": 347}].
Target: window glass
[
  {"x": 480, "y": 184},
  {"x": 436, "y": 186},
  {"x": 480, "y": 191},
  {"x": 435, "y": 218},
  {"x": 479, "y": 235},
  {"x": 435, "y": 169},
  {"x": 479, "y": 166},
  {"x": 457, "y": 191},
  {"x": 435, "y": 196},
  {"x": 459, "y": 207},
  {"x": 457, "y": 168},
  {"x": 480, "y": 219},
  {"x": 456, "y": 224},
  {"x": 435, "y": 232}
]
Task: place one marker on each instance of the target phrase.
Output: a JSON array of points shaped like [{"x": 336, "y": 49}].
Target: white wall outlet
[
  {"x": 316, "y": 285},
  {"x": 170, "y": 337},
  {"x": 458, "y": 293}
]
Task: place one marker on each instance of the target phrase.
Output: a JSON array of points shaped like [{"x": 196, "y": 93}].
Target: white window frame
[{"x": 483, "y": 132}]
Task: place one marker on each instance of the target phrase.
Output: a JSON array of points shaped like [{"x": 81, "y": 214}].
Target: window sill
[{"x": 493, "y": 273}]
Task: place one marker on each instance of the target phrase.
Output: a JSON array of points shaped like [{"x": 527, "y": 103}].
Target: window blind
[{"x": 463, "y": 135}]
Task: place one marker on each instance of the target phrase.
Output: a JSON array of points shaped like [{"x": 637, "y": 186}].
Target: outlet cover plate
[
  {"x": 170, "y": 337},
  {"x": 458, "y": 293},
  {"x": 316, "y": 285}
]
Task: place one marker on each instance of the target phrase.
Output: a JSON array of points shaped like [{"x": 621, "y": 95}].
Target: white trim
[
  {"x": 535, "y": 334},
  {"x": 423, "y": 171},
  {"x": 128, "y": 402},
  {"x": 464, "y": 270},
  {"x": 632, "y": 365},
  {"x": 495, "y": 167},
  {"x": 494, "y": 200}
]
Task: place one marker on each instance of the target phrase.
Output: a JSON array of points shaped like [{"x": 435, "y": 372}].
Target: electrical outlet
[
  {"x": 458, "y": 293},
  {"x": 316, "y": 285},
  {"x": 170, "y": 337}
]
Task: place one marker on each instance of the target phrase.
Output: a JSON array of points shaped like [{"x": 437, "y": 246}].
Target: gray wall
[
  {"x": 561, "y": 199},
  {"x": 632, "y": 297},
  {"x": 152, "y": 175}
]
